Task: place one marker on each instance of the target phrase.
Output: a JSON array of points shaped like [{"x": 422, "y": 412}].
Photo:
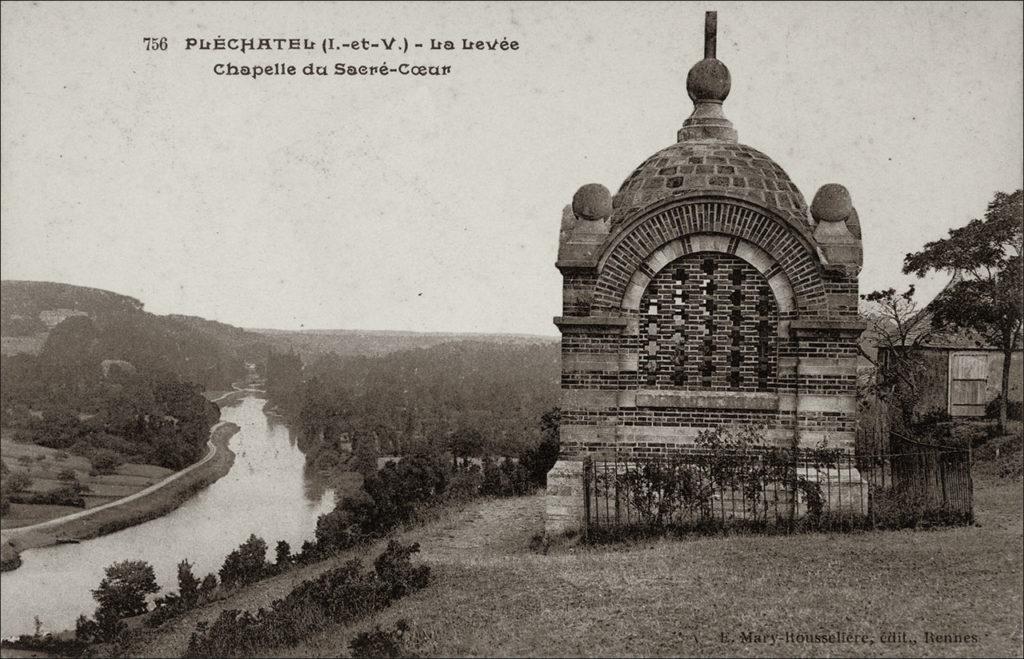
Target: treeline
[
  {"x": 115, "y": 327},
  {"x": 471, "y": 398},
  {"x": 65, "y": 399}
]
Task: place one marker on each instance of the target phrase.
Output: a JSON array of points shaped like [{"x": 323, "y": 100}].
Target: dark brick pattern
[
  {"x": 712, "y": 167},
  {"x": 709, "y": 322}
]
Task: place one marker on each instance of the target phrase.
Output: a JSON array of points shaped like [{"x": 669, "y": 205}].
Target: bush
[
  {"x": 538, "y": 461},
  {"x": 895, "y": 508},
  {"x": 969, "y": 434},
  {"x": 1002, "y": 456},
  {"x": 245, "y": 565},
  {"x": 105, "y": 461},
  {"x": 17, "y": 481},
  {"x": 394, "y": 567},
  {"x": 381, "y": 643},
  {"x": 339, "y": 595},
  {"x": 208, "y": 586},
  {"x": 69, "y": 494},
  {"x": 1014, "y": 409}
]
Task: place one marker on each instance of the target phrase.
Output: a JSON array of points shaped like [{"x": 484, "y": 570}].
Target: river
[{"x": 266, "y": 493}]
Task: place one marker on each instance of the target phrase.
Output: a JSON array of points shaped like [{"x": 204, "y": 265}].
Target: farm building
[{"x": 963, "y": 374}]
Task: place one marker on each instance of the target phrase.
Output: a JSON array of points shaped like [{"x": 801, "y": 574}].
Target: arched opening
[{"x": 709, "y": 322}]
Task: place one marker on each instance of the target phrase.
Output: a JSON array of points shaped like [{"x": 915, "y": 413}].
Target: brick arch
[
  {"x": 769, "y": 268},
  {"x": 724, "y": 225}
]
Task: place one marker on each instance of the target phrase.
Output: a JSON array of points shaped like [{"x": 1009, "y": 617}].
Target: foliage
[
  {"x": 105, "y": 461},
  {"x": 282, "y": 554},
  {"x": 1014, "y": 409},
  {"x": 245, "y": 565},
  {"x": 985, "y": 259},
  {"x": 539, "y": 460},
  {"x": 466, "y": 443},
  {"x": 121, "y": 594},
  {"x": 209, "y": 585},
  {"x": 507, "y": 478},
  {"x": 681, "y": 489},
  {"x": 342, "y": 595},
  {"x": 68, "y": 494},
  {"x": 381, "y": 643},
  {"x": 46, "y": 645},
  {"x": 16, "y": 481},
  {"x": 284, "y": 380},
  {"x": 188, "y": 584},
  {"x": 394, "y": 567},
  {"x": 901, "y": 508},
  {"x": 1002, "y": 456},
  {"x": 473, "y": 397},
  {"x": 900, "y": 328}
]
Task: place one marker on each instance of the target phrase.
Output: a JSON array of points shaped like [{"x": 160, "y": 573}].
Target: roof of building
[
  {"x": 711, "y": 166},
  {"x": 708, "y": 161},
  {"x": 926, "y": 335}
]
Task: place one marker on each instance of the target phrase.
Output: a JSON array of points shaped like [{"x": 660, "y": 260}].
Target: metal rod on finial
[{"x": 710, "y": 34}]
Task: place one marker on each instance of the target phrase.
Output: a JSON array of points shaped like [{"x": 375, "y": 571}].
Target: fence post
[
  {"x": 587, "y": 478},
  {"x": 970, "y": 481}
]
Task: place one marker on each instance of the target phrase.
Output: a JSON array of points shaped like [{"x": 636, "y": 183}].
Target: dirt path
[{"x": 485, "y": 530}]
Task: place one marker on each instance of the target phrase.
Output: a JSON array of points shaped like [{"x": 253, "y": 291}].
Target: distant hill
[
  {"x": 205, "y": 352},
  {"x": 309, "y": 344}
]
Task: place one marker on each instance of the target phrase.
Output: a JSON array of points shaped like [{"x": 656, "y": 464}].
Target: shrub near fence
[{"x": 731, "y": 481}]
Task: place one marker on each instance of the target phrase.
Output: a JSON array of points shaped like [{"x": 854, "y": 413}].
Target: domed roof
[{"x": 712, "y": 167}]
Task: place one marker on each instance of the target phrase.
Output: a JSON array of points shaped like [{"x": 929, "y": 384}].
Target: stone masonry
[{"x": 704, "y": 293}]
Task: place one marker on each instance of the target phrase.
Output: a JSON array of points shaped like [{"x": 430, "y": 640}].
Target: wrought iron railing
[{"x": 778, "y": 490}]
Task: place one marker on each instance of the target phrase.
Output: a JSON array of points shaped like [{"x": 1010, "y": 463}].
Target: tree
[
  {"x": 188, "y": 584},
  {"x": 282, "y": 554},
  {"x": 465, "y": 443},
  {"x": 208, "y": 586},
  {"x": 246, "y": 564},
  {"x": 122, "y": 592},
  {"x": 985, "y": 260},
  {"x": 899, "y": 327},
  {"x": 539, "y": 460}
]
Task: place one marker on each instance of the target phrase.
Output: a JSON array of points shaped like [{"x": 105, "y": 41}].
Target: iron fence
[{"x": 778, "y": 490}]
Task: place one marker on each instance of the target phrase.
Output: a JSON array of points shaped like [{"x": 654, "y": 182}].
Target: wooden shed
[{"x": 963, "y": 374}]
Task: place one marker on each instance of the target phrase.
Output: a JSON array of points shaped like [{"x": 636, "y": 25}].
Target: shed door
[{"x": 968, "y": 380}]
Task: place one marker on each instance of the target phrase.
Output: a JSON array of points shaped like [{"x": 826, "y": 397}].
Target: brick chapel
[{"x": 704, "y": 293}]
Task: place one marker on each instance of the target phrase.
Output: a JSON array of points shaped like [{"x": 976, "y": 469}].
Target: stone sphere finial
[
  {"x": 592, "y": 201},
  {"x": 708, "y": 84},
  {"x": 831, "y": 203},
  {"x": 708, "y": 80}
]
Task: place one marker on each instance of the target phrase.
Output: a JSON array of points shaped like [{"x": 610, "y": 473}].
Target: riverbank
[{"x": 142, "y": 507}]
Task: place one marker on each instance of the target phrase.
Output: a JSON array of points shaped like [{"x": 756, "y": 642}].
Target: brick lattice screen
[{"x": 709, "y": 322}]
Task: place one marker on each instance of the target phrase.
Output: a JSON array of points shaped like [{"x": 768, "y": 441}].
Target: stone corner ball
[
  {"x": 593, "y": 201},
  {"x": 708, "y": 80},
  {"x": 831, "y": 203}
]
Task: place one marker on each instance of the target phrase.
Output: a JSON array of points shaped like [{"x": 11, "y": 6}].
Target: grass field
[
  {"x": 494, "y": 596},
  {"x": 43, "y": 466}
]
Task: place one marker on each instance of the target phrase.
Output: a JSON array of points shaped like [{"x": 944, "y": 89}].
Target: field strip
[{"x": 9, "y": 533}]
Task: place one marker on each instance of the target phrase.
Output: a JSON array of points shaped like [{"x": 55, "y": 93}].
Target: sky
[{"x": 434, "y": 203}]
